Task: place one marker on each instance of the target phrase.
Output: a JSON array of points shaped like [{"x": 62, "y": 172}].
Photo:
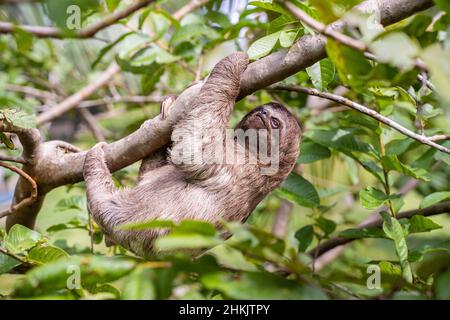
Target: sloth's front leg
[{"x": 159, "y": 157}]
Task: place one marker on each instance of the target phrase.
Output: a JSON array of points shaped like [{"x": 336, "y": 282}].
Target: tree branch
[
  {"x": 439, "y": 208},
  {"x": 52, "y": 171},
  {"x": 88, "y": 32},
  {"x": 120, "y": 99},
  {"x": 24, "y": 202},
  {"x": 75, "y": 99},
  {"x": 15, "y": 257},
  {"x": 188, "y": 8},
  {"x": 311, "y": 48},
  {"x": 360, "y": 108}
]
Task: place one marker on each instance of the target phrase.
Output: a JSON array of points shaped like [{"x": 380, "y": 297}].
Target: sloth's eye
[{"x": 275, "y": 123}]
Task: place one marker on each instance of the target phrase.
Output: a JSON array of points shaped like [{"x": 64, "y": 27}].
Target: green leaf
[
  {"x": 280, "y": 22},
  {"x": 145, "y": 225},
  {"x": 326, "y": 225},
  {"x": 271, "y": 6},
  {"x": 399, "y": 146},
  {"x": 372, "y": 198},
  {"x": 393, "y": 230},
  {"x": 20, "y": 238},
  {"x": 434, "y": 198},
  {"x": 19, "y": 118},
  {"x": 195, "y": 226},
  {"x": 187, "y": 33},
  {"x": 311, "y": 152},
  {"x": 287, "y": 38},
  {"x": 351, "y": 65},
  {"x": 437, "y": 60},
  {"x": 56, "y": 275},
  {"x": 45, "y": 254},
  {"x": 139, "y": 285},
  {"x": 420, "y": 223},
  {"x": 72, "y": 203},
  {"x": 108, "y": 48},
  {"x": 186, "y": 241},
  {"x": 393, "y": 163},
  {"x": 397, "y": 49},
  {"x": 299, "y": 190},
  {"x": 112, "y": 4},
  {"x": 151, "y": 78},
  {"x": 338, "y": 139},
  {"x": 304, "y": 236},
  {"x": 442, "y": 286},
  {"x": 57, "y": 10},
  {"x": 260, "y": 286},
  {"x": 7, "y": 263},
  {"x": 263, "y": 46},
  {"x": 24, "y": 39},
  {"x": 321, "y": 74}
]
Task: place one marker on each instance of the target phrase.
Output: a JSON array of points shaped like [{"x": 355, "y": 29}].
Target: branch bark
[{"x": 52, "y": 170}]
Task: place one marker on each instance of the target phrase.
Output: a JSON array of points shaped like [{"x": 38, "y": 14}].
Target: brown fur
[{"x": 210, "y": 192}]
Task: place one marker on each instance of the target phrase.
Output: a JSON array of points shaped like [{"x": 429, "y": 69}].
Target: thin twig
[
  {"x": 436, "y": 209},
  {"x": 88, "y": 32},
  {"x": 15, "y": 257},
  {"x": 92, "y": 124},
  {"x": 188, "y": 8},
  {"x": 30, "y": 91},
  {"x": 72, "y": 101},
  {"x": 121, "y": 99},
  {"x": 326, "y": 30},
  {"x": 25, "y": 202},
  {"x": 360, "y": 108},
  {"x": 282, "y": 218}
]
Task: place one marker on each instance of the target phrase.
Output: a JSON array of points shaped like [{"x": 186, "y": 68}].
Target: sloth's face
[
  {"x": 272, "y": 116},
  {"x": 275, "y": 117}
]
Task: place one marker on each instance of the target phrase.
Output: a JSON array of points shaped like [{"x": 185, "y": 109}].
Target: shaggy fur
[{"x": 176, "y": 190}]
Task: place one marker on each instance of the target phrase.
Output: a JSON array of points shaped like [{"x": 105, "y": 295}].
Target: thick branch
[
  {"x": 360, "y": 108},
  {"x": 29, "y": 138},
  {"x": 439, "y": 208},
  {"x": 24, "y": 202},
  {"x": 50, "y": 32},
  {"x": 155, "y": 133}
]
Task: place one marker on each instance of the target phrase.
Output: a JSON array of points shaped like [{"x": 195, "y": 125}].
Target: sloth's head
[{"x": 276, "y": 119}]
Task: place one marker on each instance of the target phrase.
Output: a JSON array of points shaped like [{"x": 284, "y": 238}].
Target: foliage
[{"x": 349, "y": 164}]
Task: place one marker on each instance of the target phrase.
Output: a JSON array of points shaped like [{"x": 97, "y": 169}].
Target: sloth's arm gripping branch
[{"x": 198, "y": 139}]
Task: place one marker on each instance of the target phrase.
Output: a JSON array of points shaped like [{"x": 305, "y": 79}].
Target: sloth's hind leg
[{"x": 99, "y": 183}]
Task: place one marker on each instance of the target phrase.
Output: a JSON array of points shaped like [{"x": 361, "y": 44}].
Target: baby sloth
[{"x": 183, "y": 183}]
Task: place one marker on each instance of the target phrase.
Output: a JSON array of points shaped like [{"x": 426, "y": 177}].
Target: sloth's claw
[{"x": 166, "y": 106}]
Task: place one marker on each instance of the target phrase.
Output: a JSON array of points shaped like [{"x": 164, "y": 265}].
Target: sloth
[{"x": 173, "y": 187}]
